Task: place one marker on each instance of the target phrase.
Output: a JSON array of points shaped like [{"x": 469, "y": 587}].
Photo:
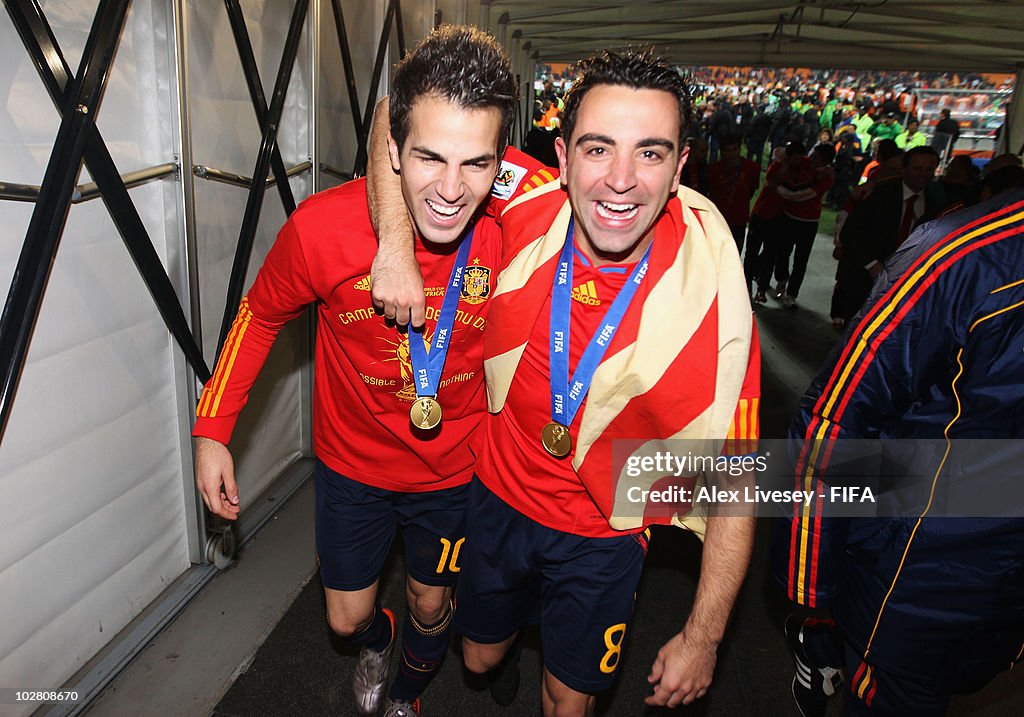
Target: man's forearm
[
  {"x": 388, "y": 213},
  {"x": 727, "y": 547},
  {"x": 397, "y": 286}
]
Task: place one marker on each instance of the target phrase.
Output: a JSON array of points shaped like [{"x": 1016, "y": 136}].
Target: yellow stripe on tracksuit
[
  {"x": 209, "y": 403},
  {"x": 907, "y": 288}
]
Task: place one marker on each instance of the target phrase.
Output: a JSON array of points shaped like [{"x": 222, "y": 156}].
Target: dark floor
[{"x": 299, "y": 671}]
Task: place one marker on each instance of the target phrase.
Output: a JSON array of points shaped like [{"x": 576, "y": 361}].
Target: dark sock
[
  {"x": 423, "y": 650},
  {"x": 378, "y": 634},
  {"x": 822, "y": 643}
]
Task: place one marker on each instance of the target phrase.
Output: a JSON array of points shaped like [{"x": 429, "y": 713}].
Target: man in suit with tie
[{"x": 879, "y": 223}]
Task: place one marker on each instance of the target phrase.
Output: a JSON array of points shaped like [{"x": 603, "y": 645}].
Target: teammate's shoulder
[
  {"x": 348, "y": 197},
  {"x": 694, "y": 200},
  {"x": 322, "y": 218},
  {"x": 519, "y": 173}
]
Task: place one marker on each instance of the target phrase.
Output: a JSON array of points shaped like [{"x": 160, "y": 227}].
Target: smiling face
[
  {"x": 620, "y": 168},
  {"x": 919, "y": 170},
  {"x": 447, "y": 165}
]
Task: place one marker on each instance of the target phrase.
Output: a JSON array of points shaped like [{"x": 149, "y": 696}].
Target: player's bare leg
[
  {"x": 560, "y": 700},
  {"x": 355, "y": 617},
  {"x": 481, "y": 657}
]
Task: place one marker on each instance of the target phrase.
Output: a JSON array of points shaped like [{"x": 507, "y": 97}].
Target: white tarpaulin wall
[
  {"x": 97, "y": 500},
  {"x": 91, "y": 463}
]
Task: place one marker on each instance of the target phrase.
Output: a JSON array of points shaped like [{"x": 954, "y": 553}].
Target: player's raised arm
[{"x": 397, "y": 284}]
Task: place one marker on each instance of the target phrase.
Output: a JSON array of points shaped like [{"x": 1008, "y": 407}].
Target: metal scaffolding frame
[
  {"x": 269, "y": 121},
  {"x": 77, "y": 98}
]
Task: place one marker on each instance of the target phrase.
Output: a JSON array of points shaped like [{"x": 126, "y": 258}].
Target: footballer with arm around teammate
[{"x": 665, "y": 293}]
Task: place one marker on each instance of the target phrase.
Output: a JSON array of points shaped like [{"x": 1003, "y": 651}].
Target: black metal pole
[
  {"x": 346, "y": 60},
  {"x": 259, "y": 100},
  {"x": 55, "y": 73},
  {"x": 399, "y": 32},
  {"x": 371, "y": 94},
  {"x": 250, "y": 220},
  {"x": 51, "y": 210}
]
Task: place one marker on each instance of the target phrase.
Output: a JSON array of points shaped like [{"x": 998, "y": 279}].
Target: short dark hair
[
  {"x": 1004, "y": 179},
  {"x": 923, "y": 149},
  {"x": 458, "y": 63},
  {"x": 729, "y": 140},
  {"x": 886, "y": 149},
  {"x": 636, "y": 69},
  {"x": 826, "y": 152},
  {"x": 795, "y": 148}
]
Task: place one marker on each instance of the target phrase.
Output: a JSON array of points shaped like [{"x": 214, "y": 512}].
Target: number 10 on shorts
[{"x": 449, "y": 556}]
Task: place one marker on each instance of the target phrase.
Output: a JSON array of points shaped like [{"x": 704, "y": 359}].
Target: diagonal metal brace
[
  {"x": 394, "y": 14},
  {"x": 346, "y": 60},
  {"x": 78, "y": 114},
  {"x": 259, "y": 100},
  {"x": 243, "y": 252},
  {"x": 38, "y": 38}
]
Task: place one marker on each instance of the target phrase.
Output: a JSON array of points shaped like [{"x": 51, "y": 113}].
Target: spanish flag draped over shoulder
[{"x": 676, "y": 367}]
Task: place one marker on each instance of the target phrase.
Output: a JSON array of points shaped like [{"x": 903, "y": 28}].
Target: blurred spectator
[
  {"x": 888, "y": 128},
  {"x": 732, "y": 182},
  {"x": 757, "y": 134},
  {"x": 540, "y": 141},
  {"x": 695, "y": 172},
  {"x": 910, "y": 137},
  {"x": 947, "y": 131}
]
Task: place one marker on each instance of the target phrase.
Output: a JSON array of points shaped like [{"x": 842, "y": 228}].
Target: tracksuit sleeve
[
  {"x": 283, "y": 288},
  {"x": 899, "y": 352}
]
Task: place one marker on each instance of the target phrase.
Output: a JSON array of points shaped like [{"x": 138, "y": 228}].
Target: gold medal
[
  {"x": 425, "y": 413},
  {"x": 556, "y": 439}
]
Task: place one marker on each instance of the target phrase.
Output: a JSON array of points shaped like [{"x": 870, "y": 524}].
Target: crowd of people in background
[{"x": 774, "y": 147}]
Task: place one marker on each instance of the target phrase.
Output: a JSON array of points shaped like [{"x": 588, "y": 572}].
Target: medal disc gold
[
  {"x": 556, "y": 439},
  {"x": 425, "y": 413}
]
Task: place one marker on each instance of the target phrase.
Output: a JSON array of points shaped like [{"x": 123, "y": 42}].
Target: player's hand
[
  {"x": 682, "y": 671},
  {"x": 215, "y": 478},
  {"x": 397, "y": 288}
]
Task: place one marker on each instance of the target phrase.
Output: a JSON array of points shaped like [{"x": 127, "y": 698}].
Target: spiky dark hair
[
  {"x": 458, "y": 63},
  {"x": 636, "y": 69}
]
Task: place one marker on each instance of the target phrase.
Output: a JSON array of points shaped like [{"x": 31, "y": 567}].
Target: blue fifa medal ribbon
[
  {"x": 566, "y": 397},
  {"x": 426, "y": 368}
]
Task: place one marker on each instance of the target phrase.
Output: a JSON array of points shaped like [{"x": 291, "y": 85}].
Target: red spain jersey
[
  {"x": 512, "y": 462},
  {"x": 363, "y": 387},
  {"x": 575, "y": 494}
]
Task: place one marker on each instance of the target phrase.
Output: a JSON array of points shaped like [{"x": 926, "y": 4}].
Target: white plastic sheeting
[
  {"x": 96, "y": 486},
  {"x": 91, "y": 488}
]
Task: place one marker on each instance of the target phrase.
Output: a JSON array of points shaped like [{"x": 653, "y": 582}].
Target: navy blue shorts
[
  {"x": 581, "y": 590},
  {"x": 355, "y": 524}
]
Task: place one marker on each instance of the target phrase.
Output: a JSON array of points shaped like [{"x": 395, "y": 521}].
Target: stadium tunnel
[{"x": 152, "y": 149}]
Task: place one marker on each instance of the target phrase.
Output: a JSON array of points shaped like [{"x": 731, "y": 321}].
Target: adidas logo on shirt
[
  {"x": 363, "y": 284},
  {"x": 586, "y": 293}
]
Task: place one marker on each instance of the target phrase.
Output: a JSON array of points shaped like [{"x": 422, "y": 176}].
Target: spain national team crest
[{"x": 476, "y": 284}]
